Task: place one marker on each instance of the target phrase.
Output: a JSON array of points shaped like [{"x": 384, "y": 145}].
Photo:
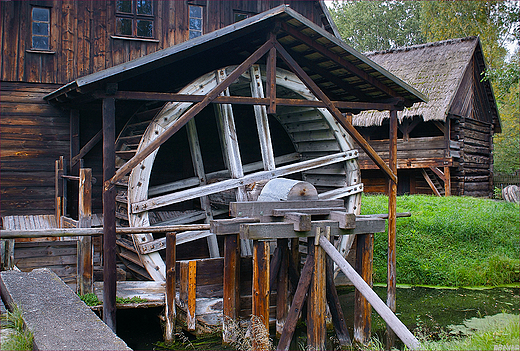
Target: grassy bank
[{"x": 450, "y": 241}]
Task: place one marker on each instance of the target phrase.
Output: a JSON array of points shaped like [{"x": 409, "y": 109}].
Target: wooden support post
[
  {"x": 188, "y": 289},
  {"x": 447, "y": 181},
  {"x": 261, "y": 283},
  {"x": 231, "y": 299},
  {"x": 316, "y": 302},
  {"x": 392, "y": 211},
  {"x": 338, "y": 319},
  {"x": 109, "y": 214},
  {"x": 283, "y": 286},
  {"x": 74, "y": 150},
  {"x": 85, "y": 248},
  {"x": 297, "y": 303},
  {"x": 270, "y": 88},
  {"x": 171, "y": 309},
  {"x": 58, "y": 190},
  {"x": 362, "y": 309}
]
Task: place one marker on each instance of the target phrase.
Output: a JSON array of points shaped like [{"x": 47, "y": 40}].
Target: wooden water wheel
[{"x": 226, "y": 153}]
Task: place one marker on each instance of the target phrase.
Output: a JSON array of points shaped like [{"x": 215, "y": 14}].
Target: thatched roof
[{"x": 435, "y": 69}]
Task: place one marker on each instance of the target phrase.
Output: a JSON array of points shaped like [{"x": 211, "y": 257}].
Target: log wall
[
  {"x": 83, "y": 40},
  {"x": 33, "y": 136}
]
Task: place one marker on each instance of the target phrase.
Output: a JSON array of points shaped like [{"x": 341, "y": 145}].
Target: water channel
[{"x": 432, "y": 310}]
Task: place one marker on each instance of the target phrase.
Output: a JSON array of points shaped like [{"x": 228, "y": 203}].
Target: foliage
[
  {"x": 91, "y": 299},
  {"x": 18, "y": 337},
  {"x": 507, "y": 144},
  {"x": 378, "y": 25},
  {"x": 451, "y": 241}
]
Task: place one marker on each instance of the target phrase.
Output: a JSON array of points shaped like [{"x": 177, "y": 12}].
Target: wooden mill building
[
  {"x": 445, "y": 145},
  {"x": 46, "y": 44}
]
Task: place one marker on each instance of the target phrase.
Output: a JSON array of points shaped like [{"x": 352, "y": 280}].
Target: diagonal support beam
[
  {"x": 313, "y": 87},
  {"x": 192, "y": 112}
]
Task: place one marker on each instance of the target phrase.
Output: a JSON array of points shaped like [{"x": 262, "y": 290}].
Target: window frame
[
  {"x": 242, "y": 13},
  {"x": 33, "y": 35},
  {"x": 190, "y": 30},
  {"x": 134, "y": 17}
]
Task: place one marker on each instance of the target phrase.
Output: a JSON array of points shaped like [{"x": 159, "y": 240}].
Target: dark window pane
[
  {"x": 40, "y": 14},
  {"x": 124, "y": 6},
  {"x": 40, "y": 43},
  {"x": 240, "y": 16},
  {"x": 144, "y": 28},
  {"x": 194, "y": 34},
  {"x": 144, "y": 7},
  {"x": 195, "y": 11},
  {"x": 39, "y": 28},
  {"x": 195, "y": 24},
  {"x": 123, "y": 26}
]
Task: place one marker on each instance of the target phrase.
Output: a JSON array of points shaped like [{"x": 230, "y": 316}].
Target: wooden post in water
[
  {"x": 85, "y": 253},
  {"x": 231, "y": 299},
  {"x": 392, "y": 211},
  {"x": 362, "y": 308},
  {"x": 109, "y": 214},
  {"x": 261, "y": 285},
  {"x": 316, "y": 301},
  {"x": 171, "y": 275}
]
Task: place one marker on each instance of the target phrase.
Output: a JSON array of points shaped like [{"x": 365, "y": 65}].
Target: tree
[{"x": 378, "y": 25}]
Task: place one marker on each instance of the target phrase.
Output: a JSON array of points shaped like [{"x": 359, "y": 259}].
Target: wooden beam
[
  {"x": 439, "y": 173},
  {"x": 228, "y": 184},
  {"x": 343, "y": 121},
  {"x": 430, "y": 182},
  {"x": 447, "y": 181},
  {"x": 316, "y": 300},
  {"x": 254, "y": 209},
  {"x": 282, "y": 286},
  {"x": 85, "y": 248},
  {"x": 388, "y": 316},
  {"x": 392, "y": 229},
  {"x": 362, "y": 308},
  {"x": 109, "y": 218},
  {"x": 231, "y": 291},
  {"x": 171, "y": 276},
  {"x": 192, "y": 112},
  {"x": 270, "y": 88},
  {"x": 88, "y": 146},
  {"x": 338, "y": 319},
  {"x": 261, "y": 289}
]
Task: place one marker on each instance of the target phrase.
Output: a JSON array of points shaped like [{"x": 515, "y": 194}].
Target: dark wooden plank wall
[
  {"x": 33, "y": 135},
  {"x": 82, "y": 34}
]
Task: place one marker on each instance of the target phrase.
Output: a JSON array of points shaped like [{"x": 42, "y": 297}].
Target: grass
[
  {"x": 450, "y": 241},
  {"x": 16, "y": 337},
  {"x": 91, "y": 299}
]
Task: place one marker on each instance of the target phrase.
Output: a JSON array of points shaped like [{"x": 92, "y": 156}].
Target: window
[
  {"x": 134, "y": 18},
  {"x": 195, "y": 21},
  {"x": 239, "y": 16},
  {"x": 41, "y": 20}
]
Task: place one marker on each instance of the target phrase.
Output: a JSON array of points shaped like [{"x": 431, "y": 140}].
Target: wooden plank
[
  {"x": 341, "y": 192},
  {"x": 345, "y": 220},
  {"x": 85, "y": 247},
  {"x": 182, "y": 238},
  {"x": 184, "y": 195},
  {"x": 262, "y": 123},
  {"x": 316, "y": 300},
  {"x": 388, "y": 316},
  {"x": 231, "y": 298},
  {"x": 277, "y": 230},
  {"x": 261, "y": 288},
  {"x": 362, "y": 309},
  {"x": 301, "y": 221},
  {"x": 282, "y": 308},
  {"x": 430, "y": 182},
  {"x": 258, "y": 209},
  {"x": 297, "y": 303},
  {"x": 171, "y": 276},
  {"x": 282, "y": 212},
  {"x": 192, "y": 294},
  {"x": 230, "y": 226}
]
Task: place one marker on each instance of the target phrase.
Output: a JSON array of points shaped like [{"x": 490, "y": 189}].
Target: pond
[{"x": 429, "y": 310}]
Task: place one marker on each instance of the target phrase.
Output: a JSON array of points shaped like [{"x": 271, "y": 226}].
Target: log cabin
[{"x": 445, "y": 145}]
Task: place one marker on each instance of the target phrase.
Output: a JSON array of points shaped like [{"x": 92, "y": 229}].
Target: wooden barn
[{"x": 445, "y": 145}]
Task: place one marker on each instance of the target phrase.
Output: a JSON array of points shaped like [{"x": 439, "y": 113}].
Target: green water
[{"x": 426, "y": 310}]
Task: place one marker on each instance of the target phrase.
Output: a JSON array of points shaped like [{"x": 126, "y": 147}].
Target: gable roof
[
  {"x": 355, "y": 78},
  {"x": 436, "y": 69}
]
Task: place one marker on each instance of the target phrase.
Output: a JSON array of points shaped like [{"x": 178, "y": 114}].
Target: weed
[
  {"x": 18, "y": 337},
  {"x": 91, "y": 299},
  {"x": 254, "y": 335}
]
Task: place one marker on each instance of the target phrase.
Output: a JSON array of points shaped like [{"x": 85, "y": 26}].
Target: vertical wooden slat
[
  {"x": 85, "y": 248},
  {"x": 58, "y": 189},
  {"x": 261, "y": 282},
  {"x": 362, "y": 309},
  {"x": 171, "y": 312},
  {"x": 281, "y": 291},
  {"x": 192, "y": 294},
  {"x": 447, "y": 181},
  {"x": 316, "y": 302},
  {"x": 392, "y": 212},
  {"x": 109, "y": 218},
  {"x": 231, "y": 299},
  {"x": 270, "y": 89}
]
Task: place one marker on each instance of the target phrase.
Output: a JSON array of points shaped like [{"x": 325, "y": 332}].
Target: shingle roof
[{"x": 435, "y": 69}]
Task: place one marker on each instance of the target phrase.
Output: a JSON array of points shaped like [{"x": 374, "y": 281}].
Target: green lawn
[{"x": 450, "y": 241}]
